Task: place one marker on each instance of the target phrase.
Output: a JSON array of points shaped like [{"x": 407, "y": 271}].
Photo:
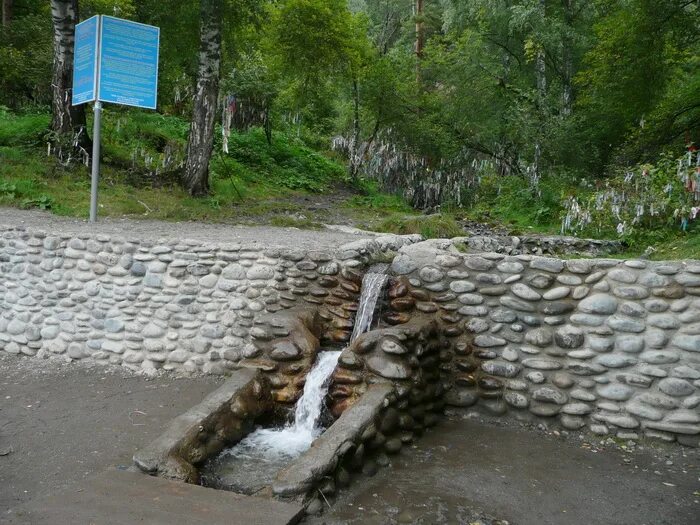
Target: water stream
[{"x": 253, "y": 462}]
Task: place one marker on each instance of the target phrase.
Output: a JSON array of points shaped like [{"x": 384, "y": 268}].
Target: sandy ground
[{"x": 265, "y": 236}]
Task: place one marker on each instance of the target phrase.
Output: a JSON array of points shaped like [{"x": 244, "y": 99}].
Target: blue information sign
[
  {"x": 85, "y": 61},
  {"x": 115, "y": 61},
  {"x": 128, "y": 65}
]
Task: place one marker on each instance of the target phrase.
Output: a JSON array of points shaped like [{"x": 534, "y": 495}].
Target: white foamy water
[
  {"x": 294, "y": 439},
  {"x": 272, "y": 445}
]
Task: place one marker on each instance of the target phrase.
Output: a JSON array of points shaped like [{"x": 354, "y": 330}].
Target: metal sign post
[
  {"x": 115, "y": 61},
  {"x": 96, "y": 131}
]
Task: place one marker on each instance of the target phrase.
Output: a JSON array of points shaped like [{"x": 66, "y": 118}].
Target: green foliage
[
  {"x": 372, "y": 198},
  {"x": 286, "y": 162},
  {"x": 23, "y": 130}
]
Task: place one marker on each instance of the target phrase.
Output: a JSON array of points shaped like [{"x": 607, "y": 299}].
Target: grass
[
  {"x": 437, "y": 226},
  {"x": 512, "y": 202},
  {"x": 143, "y": 152}
]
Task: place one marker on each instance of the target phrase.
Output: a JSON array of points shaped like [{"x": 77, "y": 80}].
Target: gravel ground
[
  {"x": 63, "y": 422},
  {"x": 267, "y": 236}
]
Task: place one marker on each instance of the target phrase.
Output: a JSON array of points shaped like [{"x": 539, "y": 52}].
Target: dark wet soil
[{"x": 467, "y": 471}]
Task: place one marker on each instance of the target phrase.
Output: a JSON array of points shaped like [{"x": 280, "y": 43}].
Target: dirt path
[
  {"x": 266, "y": 236},
  {"x": 60, "y": 423}
]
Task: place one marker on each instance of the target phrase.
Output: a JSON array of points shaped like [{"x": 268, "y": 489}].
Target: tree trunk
[
  {"x": 68, "y": 122},
  {"x": 6, "y": 13},
  {"x": 420, "y": 36},
  {"x": 567, "y": 59},
  {"x": 355, "y": 153},
  {"x": 201, "y": 139},
  {"x": 540, "y": 64},
  {"x": 541, "y": 76}
]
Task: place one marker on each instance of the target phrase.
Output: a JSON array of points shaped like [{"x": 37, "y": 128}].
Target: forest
[{"x": 577, "y": 117}]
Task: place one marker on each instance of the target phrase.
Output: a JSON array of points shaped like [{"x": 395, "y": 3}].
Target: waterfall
[
  {"x": 292, "y": 440},
  {"x": 372, "y": 285}
]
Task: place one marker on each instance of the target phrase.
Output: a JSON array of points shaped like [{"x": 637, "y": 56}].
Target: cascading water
[
  {"x": 263, "y": 452},
  {"x": 372, "y": 285},
  {"x": 292, "y": 440}
]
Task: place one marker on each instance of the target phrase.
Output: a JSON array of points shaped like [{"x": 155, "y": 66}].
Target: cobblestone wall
[
  {"x": 175, "y": 305},
  {"x": 605, "y": 344}
]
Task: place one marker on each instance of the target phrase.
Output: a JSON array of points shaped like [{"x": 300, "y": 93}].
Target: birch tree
[
  {"x": 201, "y": 138},
  {"x": 68, "y": 122}
]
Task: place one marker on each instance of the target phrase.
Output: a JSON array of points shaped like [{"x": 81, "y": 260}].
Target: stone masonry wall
[
  {"x": 173, "y": 305},
  {"x": 605, "y": 344}
]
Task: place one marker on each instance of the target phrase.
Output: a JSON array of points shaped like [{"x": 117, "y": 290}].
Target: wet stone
[
  {"x": 285, "y": 351},
  {"x": 389, "y": 369}
]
